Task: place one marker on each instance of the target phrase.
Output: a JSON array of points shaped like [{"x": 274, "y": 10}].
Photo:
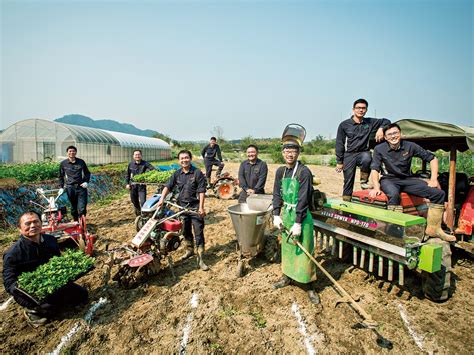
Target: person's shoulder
[
  {"x": 304, "y": 170},
  {"x": 409, "y": 144},
  {"x": 383, "y": 146},
  {"x": 13, "y": 249},
  {"x": 280, "y": 170},
  {"x": 345, "y": 122},
  {"x": 82, "y": 161}
]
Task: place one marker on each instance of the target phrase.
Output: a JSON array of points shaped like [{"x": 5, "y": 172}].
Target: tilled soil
[{"x": 244, "y": 315}]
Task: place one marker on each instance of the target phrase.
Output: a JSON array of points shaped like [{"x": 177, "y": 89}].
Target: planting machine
[
  {"x": 55, "y": 222},
  {"x": 388, "y": 243},
  {"x": 159, "y": 236}
]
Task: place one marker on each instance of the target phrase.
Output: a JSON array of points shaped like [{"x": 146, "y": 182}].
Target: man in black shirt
[
  {"x": 27, "y": 254},
  {"x": 352, "y": 146},
  {"x": 137, "y": 191},
  {"x": 75, "y": 176},
  {"x": 396, "y": 155},
  {"x": 252, "y": 174},
  {"x": 209, "y": 153},
  {"x": 190, "y": 183}
]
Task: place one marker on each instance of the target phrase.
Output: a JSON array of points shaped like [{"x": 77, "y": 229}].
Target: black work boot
[
  {"x": 137, "y": 211},
  {"x": 34, "y": 318},
  {"x": 283, "y": 282}
]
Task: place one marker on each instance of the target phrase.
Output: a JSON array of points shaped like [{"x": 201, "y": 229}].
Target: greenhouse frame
[{"x": 36, "y": 140}]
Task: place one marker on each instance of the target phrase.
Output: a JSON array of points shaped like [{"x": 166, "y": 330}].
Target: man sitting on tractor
[
  {"x": 209, "y": 153},
  {"x": 191, "y": 185},
  {"x": 137, "y": 192},
  {"x": 252, "y": 174},
  {"x": 292, "y": 193},
  {"x": 28, "y": 253},
  {"x": 396, "y": 155}
]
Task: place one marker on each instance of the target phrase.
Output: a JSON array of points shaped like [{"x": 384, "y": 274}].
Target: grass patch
[
  {"x": 228, "y": 311},
  {"x": 259, "y": 319},
  {"x": 9, "y": 236},
  {"x": 107, "y": 200}
]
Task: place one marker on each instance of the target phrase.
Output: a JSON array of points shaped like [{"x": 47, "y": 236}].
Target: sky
[{"x": 184, "y": 68}]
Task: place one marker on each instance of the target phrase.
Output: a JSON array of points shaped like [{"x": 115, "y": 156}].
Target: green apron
[{"x": 294, "y": 262}]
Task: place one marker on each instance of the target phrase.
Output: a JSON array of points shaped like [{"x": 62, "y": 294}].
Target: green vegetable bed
[
  {"x": 154, "y": 176},
  {"x": 56, "y": 273}
]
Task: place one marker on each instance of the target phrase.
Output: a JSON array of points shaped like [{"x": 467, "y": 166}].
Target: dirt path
[{"x": 245, "y": 315}]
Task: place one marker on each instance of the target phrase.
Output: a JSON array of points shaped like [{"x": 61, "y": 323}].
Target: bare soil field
[{"x": 216, "y": 312}]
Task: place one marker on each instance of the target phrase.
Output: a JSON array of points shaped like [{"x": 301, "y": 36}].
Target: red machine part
[
  {"x": 411, "y": 204},
  {"x": 172, "y": 225},
  {"x": 140, "y": 260},
  {"x": 466, "y": 218}
]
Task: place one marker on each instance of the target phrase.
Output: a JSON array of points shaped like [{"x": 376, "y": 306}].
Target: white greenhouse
[{"x": 38, "y": 140}]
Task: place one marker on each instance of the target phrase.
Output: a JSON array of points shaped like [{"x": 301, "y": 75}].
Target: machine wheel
[
  {"x": 139, "y": 223},
  {"x": 436, "y": 286},
  {"x": 224, "y": 189},
  {"x": 271, "y": 249},
  {"x": 128, "y": 277}
]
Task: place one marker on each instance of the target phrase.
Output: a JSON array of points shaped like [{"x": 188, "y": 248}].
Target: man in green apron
[{"x": 291, "y": 196}]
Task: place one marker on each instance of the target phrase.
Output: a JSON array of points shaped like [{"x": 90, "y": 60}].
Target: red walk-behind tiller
[
  {"x": 55, "y": 222},
  {"x": 156, "y": 240}
]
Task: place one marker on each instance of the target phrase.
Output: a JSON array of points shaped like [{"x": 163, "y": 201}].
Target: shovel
[{"x": 367, "y": 321}]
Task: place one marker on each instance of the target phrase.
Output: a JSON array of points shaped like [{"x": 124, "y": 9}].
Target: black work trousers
[
  {"x": 78, "y": 198},
  {"x": 209, "y": 163},
  {"x": 411, "y": 185},
  {"x": 193, "y": 221},
  {"x": 351, "y": 162},
  {"x": 138, "y": 195}
]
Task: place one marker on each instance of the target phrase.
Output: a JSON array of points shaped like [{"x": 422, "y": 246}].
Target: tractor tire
[
  {"x": 139, "y": 223},
  {"x": 436, "y": 286},
  {"x": 225, "y": 189},
  {"x": 271, "y": 249}
]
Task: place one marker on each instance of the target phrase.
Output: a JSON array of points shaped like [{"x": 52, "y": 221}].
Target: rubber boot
[
  {"x": 283, "y": 282},
  {"x": 364, "y": 180},
  {"x": 189, "y": 250},
  {"x": 346, "y": 198},
  {"x": 137, "y": 211},
  {"x": 312, "y": 294},
  {"x": 219, "y": 172},
  {"x": 200, "y": 261},
  {"x": 433, "y": 223}
]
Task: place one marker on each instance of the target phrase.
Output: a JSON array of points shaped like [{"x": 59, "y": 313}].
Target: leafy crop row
[
  {"x": 56, "y": 273},
  {"x": 154, "y": 176},
  {"x": 30, "y": 172}
]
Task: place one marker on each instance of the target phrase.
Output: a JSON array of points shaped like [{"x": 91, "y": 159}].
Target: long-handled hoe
[{"x": 367, "y": 321}]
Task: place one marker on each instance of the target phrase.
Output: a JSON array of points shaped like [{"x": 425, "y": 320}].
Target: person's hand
[
  {"x": 379, "y": 135},
  {"x": 201, "y": 212},
  {"x": 84, "y": 185},
  {"x": 433, "y": 183},
  {"x": 296, "y": 229},
  {"x": 60, "y": 191},
  {"x": 277, "y": 222},
  {"x": 250, "y": 192},
  {"x": 127, "y": 187},
  {"x": 374, "y": 193},
  {"x": 339, "y": 168}
]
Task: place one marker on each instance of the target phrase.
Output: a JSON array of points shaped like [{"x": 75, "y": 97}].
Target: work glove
[
  {"x": 84, "y": 185},
  {"x": 296, "y": 229},
  {"x": 60, "y": 191},
  {"x": 277, "y": 222}
]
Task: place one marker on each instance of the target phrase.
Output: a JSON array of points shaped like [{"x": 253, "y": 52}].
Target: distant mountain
[{"x": 109, "y": 125}]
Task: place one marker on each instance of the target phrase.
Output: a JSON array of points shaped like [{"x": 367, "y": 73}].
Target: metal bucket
[{"x": 249, "y": 220}]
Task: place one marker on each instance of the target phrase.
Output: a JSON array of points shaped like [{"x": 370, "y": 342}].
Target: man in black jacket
[
  {"x": 209, "y": 153},
  {"x": 137, "y": 192},
  {"x": 252, "y": 174},
  {"x": 75, "y": 176},
  {"x": 28, "y": 253},
  {"x": 352, "y": 145}
]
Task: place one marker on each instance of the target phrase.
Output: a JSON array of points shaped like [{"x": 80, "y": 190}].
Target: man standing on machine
[
  {"x": 209, "y": 154},
  {"x": 137, "y": 191},
  {"x": 352, "y": 146}
]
